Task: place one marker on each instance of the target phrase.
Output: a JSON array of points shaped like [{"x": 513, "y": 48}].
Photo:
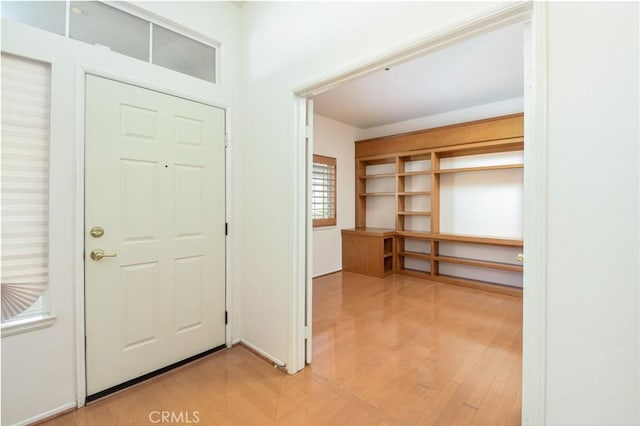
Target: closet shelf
[{"x": 414, "y": 213}]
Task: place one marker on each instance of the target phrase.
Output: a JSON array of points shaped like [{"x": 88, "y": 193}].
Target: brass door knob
[
  {"x": 98, "y": 254},
  {"x": 520, "y": 257}
]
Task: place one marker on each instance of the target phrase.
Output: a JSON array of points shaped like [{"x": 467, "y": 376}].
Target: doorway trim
[
  {"x": 81, "y": 73},
  {"x": 534, "y": 16}
]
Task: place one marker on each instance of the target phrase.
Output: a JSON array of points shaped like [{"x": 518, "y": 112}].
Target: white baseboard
[
  {"x": 327, "y": 273},
  {"x": 262, "y": 353},
  {"x": 47, "y": 414}
]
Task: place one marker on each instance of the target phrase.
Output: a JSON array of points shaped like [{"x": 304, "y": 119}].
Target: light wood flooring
[{"x": 392, "y": 351}]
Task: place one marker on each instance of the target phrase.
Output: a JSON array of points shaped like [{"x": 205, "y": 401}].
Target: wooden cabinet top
[
  {"x": 492, "y": 129},
  {"x": 370, "y": 232}
]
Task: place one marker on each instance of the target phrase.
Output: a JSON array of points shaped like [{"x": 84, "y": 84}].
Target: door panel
[{"x": 154, "y": 181}]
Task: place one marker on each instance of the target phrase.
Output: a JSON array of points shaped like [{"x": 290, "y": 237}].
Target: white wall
[
  {"x": 39, "y": 368},
  {"x": 593, "y": 296},
  {"x": 478, "y": 112},
  {"x": 288, "y": 45},
  {"x": 335, "y": 139},
  {"x": 593, "y": 279}
]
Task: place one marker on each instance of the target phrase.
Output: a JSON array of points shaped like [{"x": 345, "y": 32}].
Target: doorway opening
[{"x": 531, "y": 83}]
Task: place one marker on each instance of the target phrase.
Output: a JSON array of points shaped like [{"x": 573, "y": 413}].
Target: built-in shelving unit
[{"x": 412, "y": 165}]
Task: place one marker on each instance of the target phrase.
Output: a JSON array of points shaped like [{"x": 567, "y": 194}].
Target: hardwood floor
[{"x": 387, "y": 351}]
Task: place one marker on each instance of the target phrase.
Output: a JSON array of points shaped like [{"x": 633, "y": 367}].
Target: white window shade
[{"x": 25, "y": 119}]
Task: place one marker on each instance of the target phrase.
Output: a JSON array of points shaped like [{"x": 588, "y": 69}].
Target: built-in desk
[
  {"x": 379, "y": 252},
  {"x": 368, "y": 251}
]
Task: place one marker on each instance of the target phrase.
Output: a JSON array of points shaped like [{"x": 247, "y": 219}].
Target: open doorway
[{"x": 339, "y": 113}]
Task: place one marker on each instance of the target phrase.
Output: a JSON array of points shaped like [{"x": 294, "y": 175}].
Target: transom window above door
[{"x": 118, "y": 28}]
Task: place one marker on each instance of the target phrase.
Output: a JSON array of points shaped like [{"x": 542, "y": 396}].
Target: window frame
[
  {"x": 153, "y": 20},
  {"x": 330, "y": 162}
]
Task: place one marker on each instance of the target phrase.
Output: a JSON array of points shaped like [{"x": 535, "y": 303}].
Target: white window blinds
[
  {"x": 323, "y": 191},
  {"x": 25, "y": 119}
]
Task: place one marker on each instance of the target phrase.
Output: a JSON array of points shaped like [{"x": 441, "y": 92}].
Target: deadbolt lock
[{"x": 96, "y": 232}]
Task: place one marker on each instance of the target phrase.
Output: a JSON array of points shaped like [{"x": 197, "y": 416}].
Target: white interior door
[
  {"x": 308, "y": 288},
  {"x": 154, "y": 182}
]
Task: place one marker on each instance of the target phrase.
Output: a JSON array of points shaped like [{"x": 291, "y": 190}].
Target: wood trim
[
  {"x": 324, "y": 222},
  {"x": 480, "y": 285},
  {"x": 492, "y": 129},
  {"x": 329, "y": 161}
]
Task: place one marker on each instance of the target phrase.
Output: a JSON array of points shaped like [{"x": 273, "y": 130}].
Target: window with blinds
[
  {"x": 323, "y": 191},
  {"x": 25, "y": 118}
]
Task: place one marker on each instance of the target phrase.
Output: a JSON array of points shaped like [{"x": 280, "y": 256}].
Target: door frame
[
  {"x": 81, "y": 73},
  {"x": 534, "y": 16}
]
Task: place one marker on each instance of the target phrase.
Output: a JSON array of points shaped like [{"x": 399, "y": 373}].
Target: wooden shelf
[
  {"x": 437, "y": 236},
  {"x": 424, "y": 172},
  {"x": 415, "y": 234},
  {"x": 480, "y": 169},
  {"x": 408, "y": 194},
  {"x": 379, "y": 175},
  {"x": 372, "y": 232},
  {"x": 415, "y": 255},
  {"x": 377, "y": 194},
  {"x": 480, "y": 263},
  {"x": 494, "y": 241},
  {"x": 409, "y": 154}
]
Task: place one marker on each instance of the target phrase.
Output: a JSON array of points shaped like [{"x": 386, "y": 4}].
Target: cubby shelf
[{"x": 412, "y": 163}]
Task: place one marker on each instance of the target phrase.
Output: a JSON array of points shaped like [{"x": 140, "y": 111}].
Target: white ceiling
[{"x": 482, "y": 70}]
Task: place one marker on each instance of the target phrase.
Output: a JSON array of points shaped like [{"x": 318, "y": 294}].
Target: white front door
[{"x": 154, "y": 183}]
